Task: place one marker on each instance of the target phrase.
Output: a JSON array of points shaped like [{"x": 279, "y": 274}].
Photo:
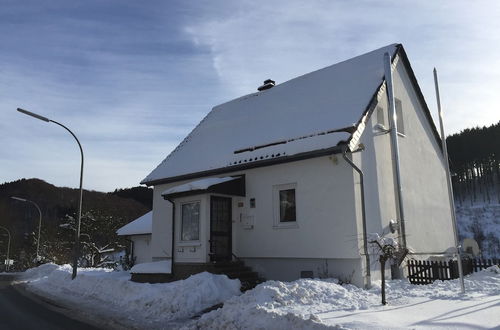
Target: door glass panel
[{"x": 220, "y": 228}]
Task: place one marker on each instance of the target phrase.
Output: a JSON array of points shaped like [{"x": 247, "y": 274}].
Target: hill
[{"x": 102, "y": 214}]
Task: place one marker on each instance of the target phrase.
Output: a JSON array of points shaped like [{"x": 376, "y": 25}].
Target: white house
[
  {"x": 139, "y": 234},
  {"x": 271, "y": 178}
]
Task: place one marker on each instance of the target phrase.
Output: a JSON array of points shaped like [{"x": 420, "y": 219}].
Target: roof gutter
[{"x": 363, "y": 213}]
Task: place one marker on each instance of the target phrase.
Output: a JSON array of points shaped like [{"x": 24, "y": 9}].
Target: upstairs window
[
  {"x": 190, "y": 229},
  {"x": 399, "y": 115},
  {"x": 380, "y": 116}
]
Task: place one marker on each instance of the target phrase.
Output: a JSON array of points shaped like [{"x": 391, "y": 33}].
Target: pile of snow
[
  {"x": 320, "y": 304},
  {"x": 136, "y": 304},
  {"x": 157, "y": 267}
]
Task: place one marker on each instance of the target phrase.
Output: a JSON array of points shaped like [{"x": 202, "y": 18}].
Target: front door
[{"x": 220, "y": 228}]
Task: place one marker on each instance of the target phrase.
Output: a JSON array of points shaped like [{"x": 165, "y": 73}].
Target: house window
[
  {"x": 285, "y": 206},
  {"x": 399, "y": 115},
  {"x": 190, "y": 221},
  {"x": 380, "y": 116}
]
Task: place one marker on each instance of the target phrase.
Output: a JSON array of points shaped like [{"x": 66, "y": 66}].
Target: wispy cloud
[
  {"x": 283, "y": 39},
  {"x": 132, "y": 79}
]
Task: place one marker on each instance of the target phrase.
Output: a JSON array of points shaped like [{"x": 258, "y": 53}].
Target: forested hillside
[
  {"x": 475, "y": 165},
  {"x": 102, "y": 214}
]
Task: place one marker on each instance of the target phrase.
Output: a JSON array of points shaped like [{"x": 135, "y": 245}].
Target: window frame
[
  {"x": 181, "y": 240},
  {"x": 277, "y": 223}
]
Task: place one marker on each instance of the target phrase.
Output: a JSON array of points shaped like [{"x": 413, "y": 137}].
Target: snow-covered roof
[
  {"x": 301, "y": 115},
  {"x": 141, "y": 225},
  {"x": 201, "y": 184}
]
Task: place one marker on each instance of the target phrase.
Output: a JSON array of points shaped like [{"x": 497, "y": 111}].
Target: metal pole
[
  {"x": 76, "y": 250},
  {"x": 448, "y": 181},
  {"x": 395, "y": 147},
  {"x": 39, "y": 230},
  {"x": 8, "y": 248},
  {"x": 79, "y": 215}
]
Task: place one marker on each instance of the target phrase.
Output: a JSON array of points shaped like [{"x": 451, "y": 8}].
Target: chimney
[{"x": 269, "y": 83}]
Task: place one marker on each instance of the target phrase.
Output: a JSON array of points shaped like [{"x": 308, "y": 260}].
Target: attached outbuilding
[{"x": 139, "y": 234}]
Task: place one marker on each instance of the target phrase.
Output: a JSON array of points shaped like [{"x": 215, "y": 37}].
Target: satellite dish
[{"x": 470, "y": 246}]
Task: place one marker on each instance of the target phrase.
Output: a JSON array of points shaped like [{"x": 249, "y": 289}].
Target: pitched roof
[
  {"x": 140, "y": 226},
  {"x": 312, "y": 112}
]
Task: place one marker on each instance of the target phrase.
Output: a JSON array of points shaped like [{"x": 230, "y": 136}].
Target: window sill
[
  {"x": 193, "y": 243},
  {"x": 286, "y": 225}
]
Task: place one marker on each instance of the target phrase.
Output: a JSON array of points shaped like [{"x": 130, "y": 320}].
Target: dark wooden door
[{"x": 220, "y": 229}]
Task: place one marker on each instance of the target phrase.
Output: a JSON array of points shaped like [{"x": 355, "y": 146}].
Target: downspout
[
  {"x": 363, "y": 214},
  {"x": 395, "y": 148},
  {"x": 173, "y": 236}
]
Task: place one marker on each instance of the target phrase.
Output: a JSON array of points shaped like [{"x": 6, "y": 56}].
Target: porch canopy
[{"x": 228, "y": 185}]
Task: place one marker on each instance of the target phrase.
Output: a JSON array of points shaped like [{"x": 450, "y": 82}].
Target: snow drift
[{"x": 138, "y": 302}]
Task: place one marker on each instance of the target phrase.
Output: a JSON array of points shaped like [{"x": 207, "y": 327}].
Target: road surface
[{"x": 19, "y": 312}]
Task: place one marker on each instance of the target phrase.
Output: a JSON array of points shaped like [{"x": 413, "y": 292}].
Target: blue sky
[{"x": 132, "y": 78}]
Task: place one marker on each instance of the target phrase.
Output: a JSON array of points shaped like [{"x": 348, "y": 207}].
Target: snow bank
[
  {"x": 279, "y": 305},
  {"x": 319, "y": 304},
  {"x": 135, "y": 303},
  {"x": 157, "y": 267}
]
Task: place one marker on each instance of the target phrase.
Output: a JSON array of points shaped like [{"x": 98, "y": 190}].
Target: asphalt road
[{"x": 19, "y": 312}]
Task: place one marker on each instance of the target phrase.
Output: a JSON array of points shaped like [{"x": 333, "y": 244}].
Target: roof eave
[{"x": 240, "y": 167}]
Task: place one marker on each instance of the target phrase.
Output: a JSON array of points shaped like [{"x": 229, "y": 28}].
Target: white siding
[
  {"x": 142, "y": 248},
  {"x": 326, "y": 220},
  {"x": 425, "y": 196}
]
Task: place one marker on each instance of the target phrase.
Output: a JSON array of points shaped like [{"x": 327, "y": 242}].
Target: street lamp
[
  {"x": 79, "y": 215},
  {"x": 7, "y": 264},
  {"x": 39, "y": 222}
]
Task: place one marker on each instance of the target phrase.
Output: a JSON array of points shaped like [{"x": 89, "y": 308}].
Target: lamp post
[
  {"x": 79, "y": 215},
  {"x": 39, "y": 222},
  {"x": 7, "y": 264}
]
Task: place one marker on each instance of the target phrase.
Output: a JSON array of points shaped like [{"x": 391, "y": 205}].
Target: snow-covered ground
[
  {"x": 320, "y": 304},
  {"x": 106, "y": 293},
  {"x": 482, "y": 222},
  {"x": 302, "y": 304}
]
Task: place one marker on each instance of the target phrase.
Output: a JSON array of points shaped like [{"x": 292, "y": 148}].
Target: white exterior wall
[
  {"x": 427, "y": 211},
  {"x": 161, "y": 240},
  {"x": 326, "y": 224},
  {"x": 326, "y": 228},
  {"x": 142, "y": 248}
]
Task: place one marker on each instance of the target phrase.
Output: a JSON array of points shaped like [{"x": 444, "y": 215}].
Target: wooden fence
[{"x": 426, "y": 272}]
